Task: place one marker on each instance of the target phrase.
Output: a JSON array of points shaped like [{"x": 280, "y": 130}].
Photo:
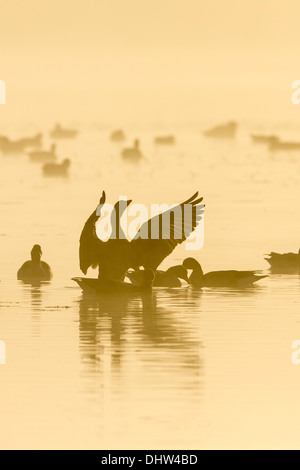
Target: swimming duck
[
  {"x": 165, "y": 140},
  {"x": 263, "y": 139},
  {"x": 116, "y": 256},
  {"x": 103, "y": 285},
  {"x": 117, "y": 136},
  {"x": 219, "y": 278},
  {"x": 35, "y": 269},
  {"x": 43, "y": 155},
  {"x": 133, "y": 154},
  {"x": 35, "y": 141},
  {"x": 169, "y": 278},
  {"x": 57, "y": 169},
  {"x": 8, "y": 146},
  {"x": 286, "y": 262},
  {"x": 277, "y": 144},
  {"x": 227, "y": 130},
  {"x": 60, "y": 133}
]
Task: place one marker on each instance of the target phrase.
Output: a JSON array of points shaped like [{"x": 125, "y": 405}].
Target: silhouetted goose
[
  {"x": 169, "y": 278},
  {"x": 91, "y": 248},
  {"x": 219, "y": 278},
  {"x": 285, "y": 262},
  {"x": 116, "y": 257},
  {"x": 133, "y": 154},
  {"x": 57, "y": 169},
  {"x": 117, "y": 136},
  {"x": 108, "y": 286},
  {"x": 263, "y": 139},
  {"x": 35, "y": 269},
  {"x": 227, "y": 131},
  {"x": 165, "y": 140},
  {"x": 114, "y": 263},
  {"x": 35, "y": 141},
  {"x": 60, "y": 133},
  {"x": 276, "y": 144},
  {"x": 43, "y": 155},
  {"x": 8, "y": 146}
]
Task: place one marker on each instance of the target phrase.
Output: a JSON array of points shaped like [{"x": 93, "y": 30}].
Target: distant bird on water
[
  {"x": 134, "y": 153},
  {"x": 57, "y": 169},
  {"x": 117, "y": 136},
  {"x": 35, "y": 269},
  {"x": 219, "y": 278},
  {"x": 277, "y": 144},
  {"x": 61, "y": 133},
  {"x": 165, "y": 140},
  {"x": 225, "y": 131},
  {"x": 285, "y": 262},
  {"x": 263, "y": 139},
  {"x": 46, "y": 156}
]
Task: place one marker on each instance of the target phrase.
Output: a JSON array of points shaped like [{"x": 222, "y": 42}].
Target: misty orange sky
[{"x": 149, "y": 59}]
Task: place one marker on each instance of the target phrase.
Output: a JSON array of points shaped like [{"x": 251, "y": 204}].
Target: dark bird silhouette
[
  {"x": 263, "y": 139},
  {"x": 277, "y": 144},
  {"x": 225, "y": 131},
  {"x": 8, "y": 146},
  {"x": 117, "y": 136},
  {"x": 35, "y": 269},
  {"x": 57, "y": 169},
  {"x": 169, "y": 278},
  {"x": 285, "y": 262},
  {"x": 60, "y": 133},
  {"x": 219, "y": 278},
  {"x": 33, "y": 142},
  {"x": 43, "y": 155},
  {"x": 134, "y": 153},
  {"x": 155, "y": 240},
  {"x": 165, "y": 140},
  {"x": 108, "y": 286}
]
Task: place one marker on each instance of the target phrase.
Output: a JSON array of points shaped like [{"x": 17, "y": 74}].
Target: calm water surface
[{"x": 180, "y": 368}]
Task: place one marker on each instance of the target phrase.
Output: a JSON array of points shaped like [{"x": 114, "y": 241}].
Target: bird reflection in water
[{"x": 117, "y": 329}]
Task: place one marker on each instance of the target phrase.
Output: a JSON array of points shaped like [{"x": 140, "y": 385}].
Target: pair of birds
[
  {"x": 119, "y": 257},
  {"x": 173, "y": 276},
  {"x": 144, "y": 280}
]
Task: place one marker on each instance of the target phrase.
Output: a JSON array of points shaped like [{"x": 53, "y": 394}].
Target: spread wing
[
  {"x": 89, "y": 244},
  {"x": 158, "y": 237}
]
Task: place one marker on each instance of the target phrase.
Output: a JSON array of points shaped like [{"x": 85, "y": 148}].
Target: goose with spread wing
[{"x": 155, "y": 240}]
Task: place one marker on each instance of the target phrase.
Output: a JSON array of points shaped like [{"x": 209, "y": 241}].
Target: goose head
[
  {"x": 193, "y": 264},
  {"x": 36, "y": 253},
  {"x": 101, "y": 204}
]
